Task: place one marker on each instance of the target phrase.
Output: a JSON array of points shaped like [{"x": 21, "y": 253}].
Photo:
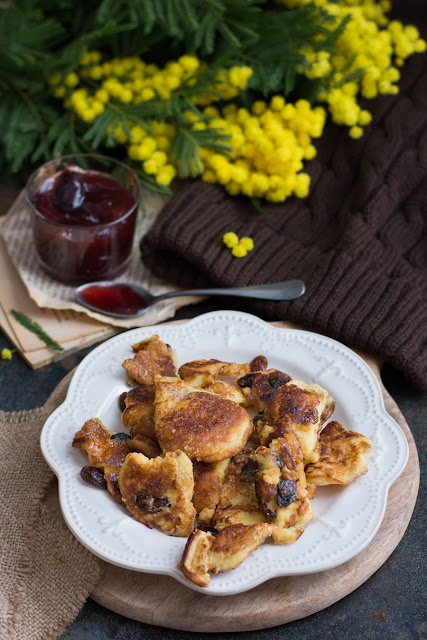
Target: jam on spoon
[{"x": 116, "y": 298}]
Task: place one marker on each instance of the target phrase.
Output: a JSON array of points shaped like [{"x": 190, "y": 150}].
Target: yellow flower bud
[
  {"x": 277, "y": 103},
  {"x": 232, "y": 188},
  {"x": 239, "y": 251},
  {"x": 189, "y": 63},
  {"x": 72, "y": 80},
  {"x": 364, "y": 118},
  {"x": 302, "y": 185},
  {"x": 247, "y": 243},
  {"x": 150, "y": 166},
  {"x": 102, "y": 95},
  {"x": 166, "y": 174},
  {"x": 230, "y": 239}
]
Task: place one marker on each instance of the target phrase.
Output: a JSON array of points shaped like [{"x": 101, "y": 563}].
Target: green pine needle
[
  {"x": 257, "y": 204},
  {"x": 33, "y": 326}
]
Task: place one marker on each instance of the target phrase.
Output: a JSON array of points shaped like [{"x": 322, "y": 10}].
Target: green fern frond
[{"x": 186, "y": 145}]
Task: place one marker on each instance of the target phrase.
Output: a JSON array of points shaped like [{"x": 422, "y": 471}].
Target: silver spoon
[{"x": 125, "y": 300}]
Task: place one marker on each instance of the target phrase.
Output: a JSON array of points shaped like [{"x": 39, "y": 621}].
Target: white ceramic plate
[{"x": 345, "y": 518}]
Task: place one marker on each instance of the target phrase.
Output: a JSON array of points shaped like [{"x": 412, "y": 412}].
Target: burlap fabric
[
  {"x": 359, "y": 241},
  {"x": 46, "y": 574}
]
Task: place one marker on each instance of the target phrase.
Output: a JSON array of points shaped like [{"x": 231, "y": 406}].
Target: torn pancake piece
[
  {"x": 238, "y": 502},
  {"x": 280, "y": 485},
  {"x": 206, "y": 553},
  {"x": 158, "y": 492},
  {"x": 287, "y": 402},
  {"x": 201, "y": 373},
  {"x": 152, "y": 356},
  {"x": 106, "y": 450},
  {"x": 147, "y": 446},
  {"x": 205, "y": 426},
  {"x": 238, "y": 486},
  {"x": 208, "y": 479},
  {"x": 138, "y": 405},
  {"x": 342, "y": 456},
  {"x": 227, "y": 391}
]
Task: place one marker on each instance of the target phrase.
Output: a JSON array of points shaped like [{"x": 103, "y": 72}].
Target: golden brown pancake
[
  {"x": 205, "y": 553},
  {"x": 139, "y": 402},
  {"x": 246, "y": 514},
  {"x": 158, "y": 492},
  {"x": 227, "y": 391},
  {"x": 138, "y": 414},
  {"x": 201, "y": 373},
  {"x": 147, "y": 446},
  {"x": 238, "y": 502},
  {"x": 152, "y": 356},
  {"x": 238, "y": 486},
  {"x": 288, "y": 402},
  {"x": 207, "y": 427},
  {"x": 342, "y": 456},
  {"x": 208, "y": 478},
  {"x": 281, "y": 495},
  {"x": 105, "y": 451}
]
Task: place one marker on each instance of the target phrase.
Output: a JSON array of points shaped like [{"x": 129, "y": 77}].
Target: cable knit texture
[{"x": 359, "y": 241}]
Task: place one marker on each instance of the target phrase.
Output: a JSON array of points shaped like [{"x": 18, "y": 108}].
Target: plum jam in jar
[{"x": 83, "y": 212}]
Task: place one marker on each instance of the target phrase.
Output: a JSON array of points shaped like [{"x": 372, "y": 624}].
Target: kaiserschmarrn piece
[
  {"x": 139, "y": 408},
  {"x": 204, "y": 425},
  {"x": 205, "y": 374},
  {"x": 238, "y": 502},
  {"x": 281, "y": 495},
  {"x": 201, "y": 373},
  {"x": 158, "y": 492},
  {"x": 106, "y": 450},
  {"x": 286, "y": 401},
  {"x": 147, "y": 446},
  {"x": 206, "y": 553},
  {"x": 342, "y": 456},
  {"x": 152, "y": 356},
  {"x": 208, "y": 479}
]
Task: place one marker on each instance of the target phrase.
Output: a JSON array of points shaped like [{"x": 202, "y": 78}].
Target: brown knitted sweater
[{"x": 359, "y": 241}]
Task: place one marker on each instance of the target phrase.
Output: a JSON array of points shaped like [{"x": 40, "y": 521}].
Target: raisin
[
  {"x": 249, "y": 470},
  {"x": 93, "y": 476},
  {"x": 122, "y": 400},
  {"x": 260, "y": 363},
  {"x": 150, "y": 504},
  {"x": 286, "y": 492},
  {"x": 120, "y": 436},
  {"x": 270, "y": 515},
  {"x": 114, "y": 487},
  {"x": 278, "y": 379},
  {"x": 208, "y": 529},
  {"x": 247, "y": 380}
]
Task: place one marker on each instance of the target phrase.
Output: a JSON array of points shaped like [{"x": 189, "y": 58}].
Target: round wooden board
[{"x": 162, "y": 601}]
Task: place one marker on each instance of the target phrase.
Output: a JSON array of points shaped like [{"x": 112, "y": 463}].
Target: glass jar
[{"x": 83, "y": 211}]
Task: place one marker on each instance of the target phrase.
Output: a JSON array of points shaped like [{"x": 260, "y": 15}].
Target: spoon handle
[{"x": 287, "y": 290}]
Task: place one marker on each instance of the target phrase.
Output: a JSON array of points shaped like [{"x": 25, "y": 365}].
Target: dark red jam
[
  {"x": 84, "y": 198},
  {"x": 86, "y": 227},
  {"x": 117, "y": 298}
]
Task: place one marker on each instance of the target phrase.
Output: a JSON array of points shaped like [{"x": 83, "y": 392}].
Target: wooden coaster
[{"x": 162, "y": 601}]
